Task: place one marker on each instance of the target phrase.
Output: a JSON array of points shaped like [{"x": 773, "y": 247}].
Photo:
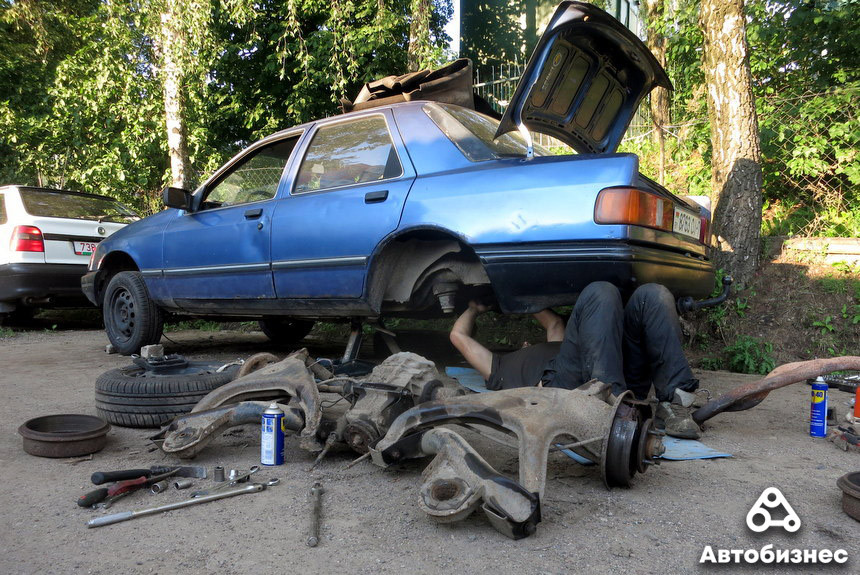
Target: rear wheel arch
[{"x": 413, "y": 259}]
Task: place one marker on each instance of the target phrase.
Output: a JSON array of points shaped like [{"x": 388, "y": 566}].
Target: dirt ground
[{"x": 371, "y": 522}]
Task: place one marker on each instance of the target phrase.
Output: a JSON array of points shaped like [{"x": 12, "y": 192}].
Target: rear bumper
[
  {"x": 527, "y": 279},
  {"x": 23, "y": 282}
]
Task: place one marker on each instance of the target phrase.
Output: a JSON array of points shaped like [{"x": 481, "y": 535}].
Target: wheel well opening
[
  {"x": 113, "y": 264},
  {"x": 403, "y": 274}
]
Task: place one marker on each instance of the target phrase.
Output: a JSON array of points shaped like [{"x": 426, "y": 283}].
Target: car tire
[
  {"x": 285, "y": 330},
  {"x": 131, "y": 318},
  {"x": 135, "y": 397}
]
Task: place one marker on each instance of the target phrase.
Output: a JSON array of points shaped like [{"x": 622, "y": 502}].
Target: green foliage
[
  {"x": 193, "y": 324},
  {"x": 750, "y": 355},
  {"x": 712, "y": 363},
  {"x": 825, "y": 324},
  {"x": 81, "y": 93},
  {"x": 832, "y": 285},
  {"x": 6, "y": 332}
]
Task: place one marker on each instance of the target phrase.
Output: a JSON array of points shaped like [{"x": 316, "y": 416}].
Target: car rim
[{"x": 123, "y": 314}]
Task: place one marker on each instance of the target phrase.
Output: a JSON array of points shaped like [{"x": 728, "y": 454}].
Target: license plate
[
  {"x": 686, "y": 223},
  {"x": 85, "y": 248}
]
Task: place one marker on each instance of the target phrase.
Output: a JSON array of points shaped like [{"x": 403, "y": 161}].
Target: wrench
[{"x": 227, "y": 484}]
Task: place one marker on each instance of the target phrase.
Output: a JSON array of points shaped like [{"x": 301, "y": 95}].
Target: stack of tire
[{"x": 133, "y": 396}]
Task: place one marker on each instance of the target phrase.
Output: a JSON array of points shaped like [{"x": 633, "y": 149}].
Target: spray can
[
  {"x": 272, "y": 436},
  {"x": 818, "y": 409}
]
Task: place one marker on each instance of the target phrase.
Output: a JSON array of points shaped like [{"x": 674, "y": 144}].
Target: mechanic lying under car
[{"x": 631, "y": 347}]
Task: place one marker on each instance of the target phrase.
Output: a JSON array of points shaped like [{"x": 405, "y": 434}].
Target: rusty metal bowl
[
  {"x": 850, "y": 486},
  {"x": 66, "y": 435}
]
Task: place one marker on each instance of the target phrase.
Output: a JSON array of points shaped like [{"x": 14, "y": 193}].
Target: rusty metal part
[
  {"x": 751, "y": 394},
  {"x": 459, "y": 480},
  {"x": 189, "y": 434},
  {"x": 850, "y": 486},
  {"x": 255, "y": 362},
  {"x": 535, "y": 415},
  {"x": 316, "y": 513},
  {"x": 64, "y": 435},
  {"x": 288, "y": 378}
]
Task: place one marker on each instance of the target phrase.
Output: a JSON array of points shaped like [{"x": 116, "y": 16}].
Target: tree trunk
[
  {"x": 660, "y": 96},
  {"x": 419, "y": 35},
  {"x": 736, "y": 157},
  {"x": 172, "y": 52}
]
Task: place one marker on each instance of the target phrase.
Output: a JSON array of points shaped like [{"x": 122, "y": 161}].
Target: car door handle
[
  {"x": 375, "y": 197},
  {"x": 253, "y": 214}
]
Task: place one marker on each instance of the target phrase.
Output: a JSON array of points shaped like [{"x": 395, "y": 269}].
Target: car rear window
[
  {"x": 51, "y": 204},
  {"x": 473, "y": 133}
]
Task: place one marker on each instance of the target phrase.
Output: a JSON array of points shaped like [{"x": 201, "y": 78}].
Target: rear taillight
[
  {"x": 27, "y": 239},
  {"x": 705, "y": 230},
  {"x": 633, "y": 206}
]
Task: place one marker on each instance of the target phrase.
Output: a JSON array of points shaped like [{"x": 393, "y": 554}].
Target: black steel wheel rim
[{"x": 122, "y": 314}]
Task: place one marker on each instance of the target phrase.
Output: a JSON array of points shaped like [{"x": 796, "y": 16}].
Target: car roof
[
  {"x": 355, "y": 114},
  {"x": 56, "y": 191}
]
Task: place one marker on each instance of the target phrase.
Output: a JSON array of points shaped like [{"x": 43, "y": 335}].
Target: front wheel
[{"x": 131, "y": 318}]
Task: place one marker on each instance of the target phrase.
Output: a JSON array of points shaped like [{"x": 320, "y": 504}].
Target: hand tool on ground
[
  {"x": 316, "y": 510},
  {"x": 126, "y": 515},
  {"x": 106, "y": 504},
  {"x": 100, "y": 477},
  {"x": 227, "y": 484},
  {"x": 98, "y": 495}
]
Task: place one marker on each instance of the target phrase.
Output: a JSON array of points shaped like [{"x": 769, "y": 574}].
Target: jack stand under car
[{"x": 615, "y": 433}]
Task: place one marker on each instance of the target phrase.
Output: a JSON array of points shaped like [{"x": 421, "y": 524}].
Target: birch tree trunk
[
  {"x": 419, "y": 35},
  {"x": 173, "y": 53},
  {"x": 737, "y": 177},
  {"x": 656, "y": 42}
]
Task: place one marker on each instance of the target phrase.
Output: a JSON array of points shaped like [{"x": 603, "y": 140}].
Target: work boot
[{"x": 676, "y": 416}]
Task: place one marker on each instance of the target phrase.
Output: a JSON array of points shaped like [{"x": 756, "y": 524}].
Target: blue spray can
[
  {"x": 272, "y": 436},
  {"x": 818, "y": 409}
]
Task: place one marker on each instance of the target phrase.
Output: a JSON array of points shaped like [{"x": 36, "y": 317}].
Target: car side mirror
[{"x": 177, "y": 198}]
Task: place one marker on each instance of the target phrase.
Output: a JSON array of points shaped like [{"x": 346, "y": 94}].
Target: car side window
[
  {"x": 348, "y": 153},
  {"x": 2, "y": 209},
  {"x": 255, "y": 178}
]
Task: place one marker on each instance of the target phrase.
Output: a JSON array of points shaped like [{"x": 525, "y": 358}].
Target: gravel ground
[{"x": 372, "y": 523}]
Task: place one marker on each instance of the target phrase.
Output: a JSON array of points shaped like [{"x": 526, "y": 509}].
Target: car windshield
[
  {"x": 473, "y": 132},
  {"x": 75, "y": 206}
]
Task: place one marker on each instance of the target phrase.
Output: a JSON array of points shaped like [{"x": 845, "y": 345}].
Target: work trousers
[{"x": 631, "y": 346}]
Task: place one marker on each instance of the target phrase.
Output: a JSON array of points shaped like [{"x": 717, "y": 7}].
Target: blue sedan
[{"x": 409, "y": 209}]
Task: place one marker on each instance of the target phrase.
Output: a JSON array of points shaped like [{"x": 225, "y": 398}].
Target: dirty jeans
[{"x": 631, "y": 346}]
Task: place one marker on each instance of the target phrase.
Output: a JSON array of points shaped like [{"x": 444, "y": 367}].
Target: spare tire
[{"x": 136, "y": 397}]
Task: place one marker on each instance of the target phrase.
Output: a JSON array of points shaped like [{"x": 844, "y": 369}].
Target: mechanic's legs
[
  {"x": 476, "y": 354},
  {"x": 653, "y": 354},
  {"x": 591, "y": 348}
]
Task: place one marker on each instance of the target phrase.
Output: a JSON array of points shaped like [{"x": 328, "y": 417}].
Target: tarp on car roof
[{"x": 451, "y": 84}]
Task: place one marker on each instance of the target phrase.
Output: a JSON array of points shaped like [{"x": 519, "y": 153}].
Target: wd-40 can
[
  {"x": 818, "y": 409},
  {"x": 272, "y": 436}
]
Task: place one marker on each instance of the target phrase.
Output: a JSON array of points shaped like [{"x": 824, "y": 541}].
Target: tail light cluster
[
  {"x": 639, "y": 208},
  {"x": 27, "y": 239}
]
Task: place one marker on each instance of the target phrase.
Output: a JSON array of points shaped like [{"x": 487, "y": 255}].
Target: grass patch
[
  {"x": 195, "y": 324},
  {"x": 6, "y": 332}
]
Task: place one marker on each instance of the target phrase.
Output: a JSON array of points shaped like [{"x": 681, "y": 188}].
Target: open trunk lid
[{"x": 584, "y": 81}]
